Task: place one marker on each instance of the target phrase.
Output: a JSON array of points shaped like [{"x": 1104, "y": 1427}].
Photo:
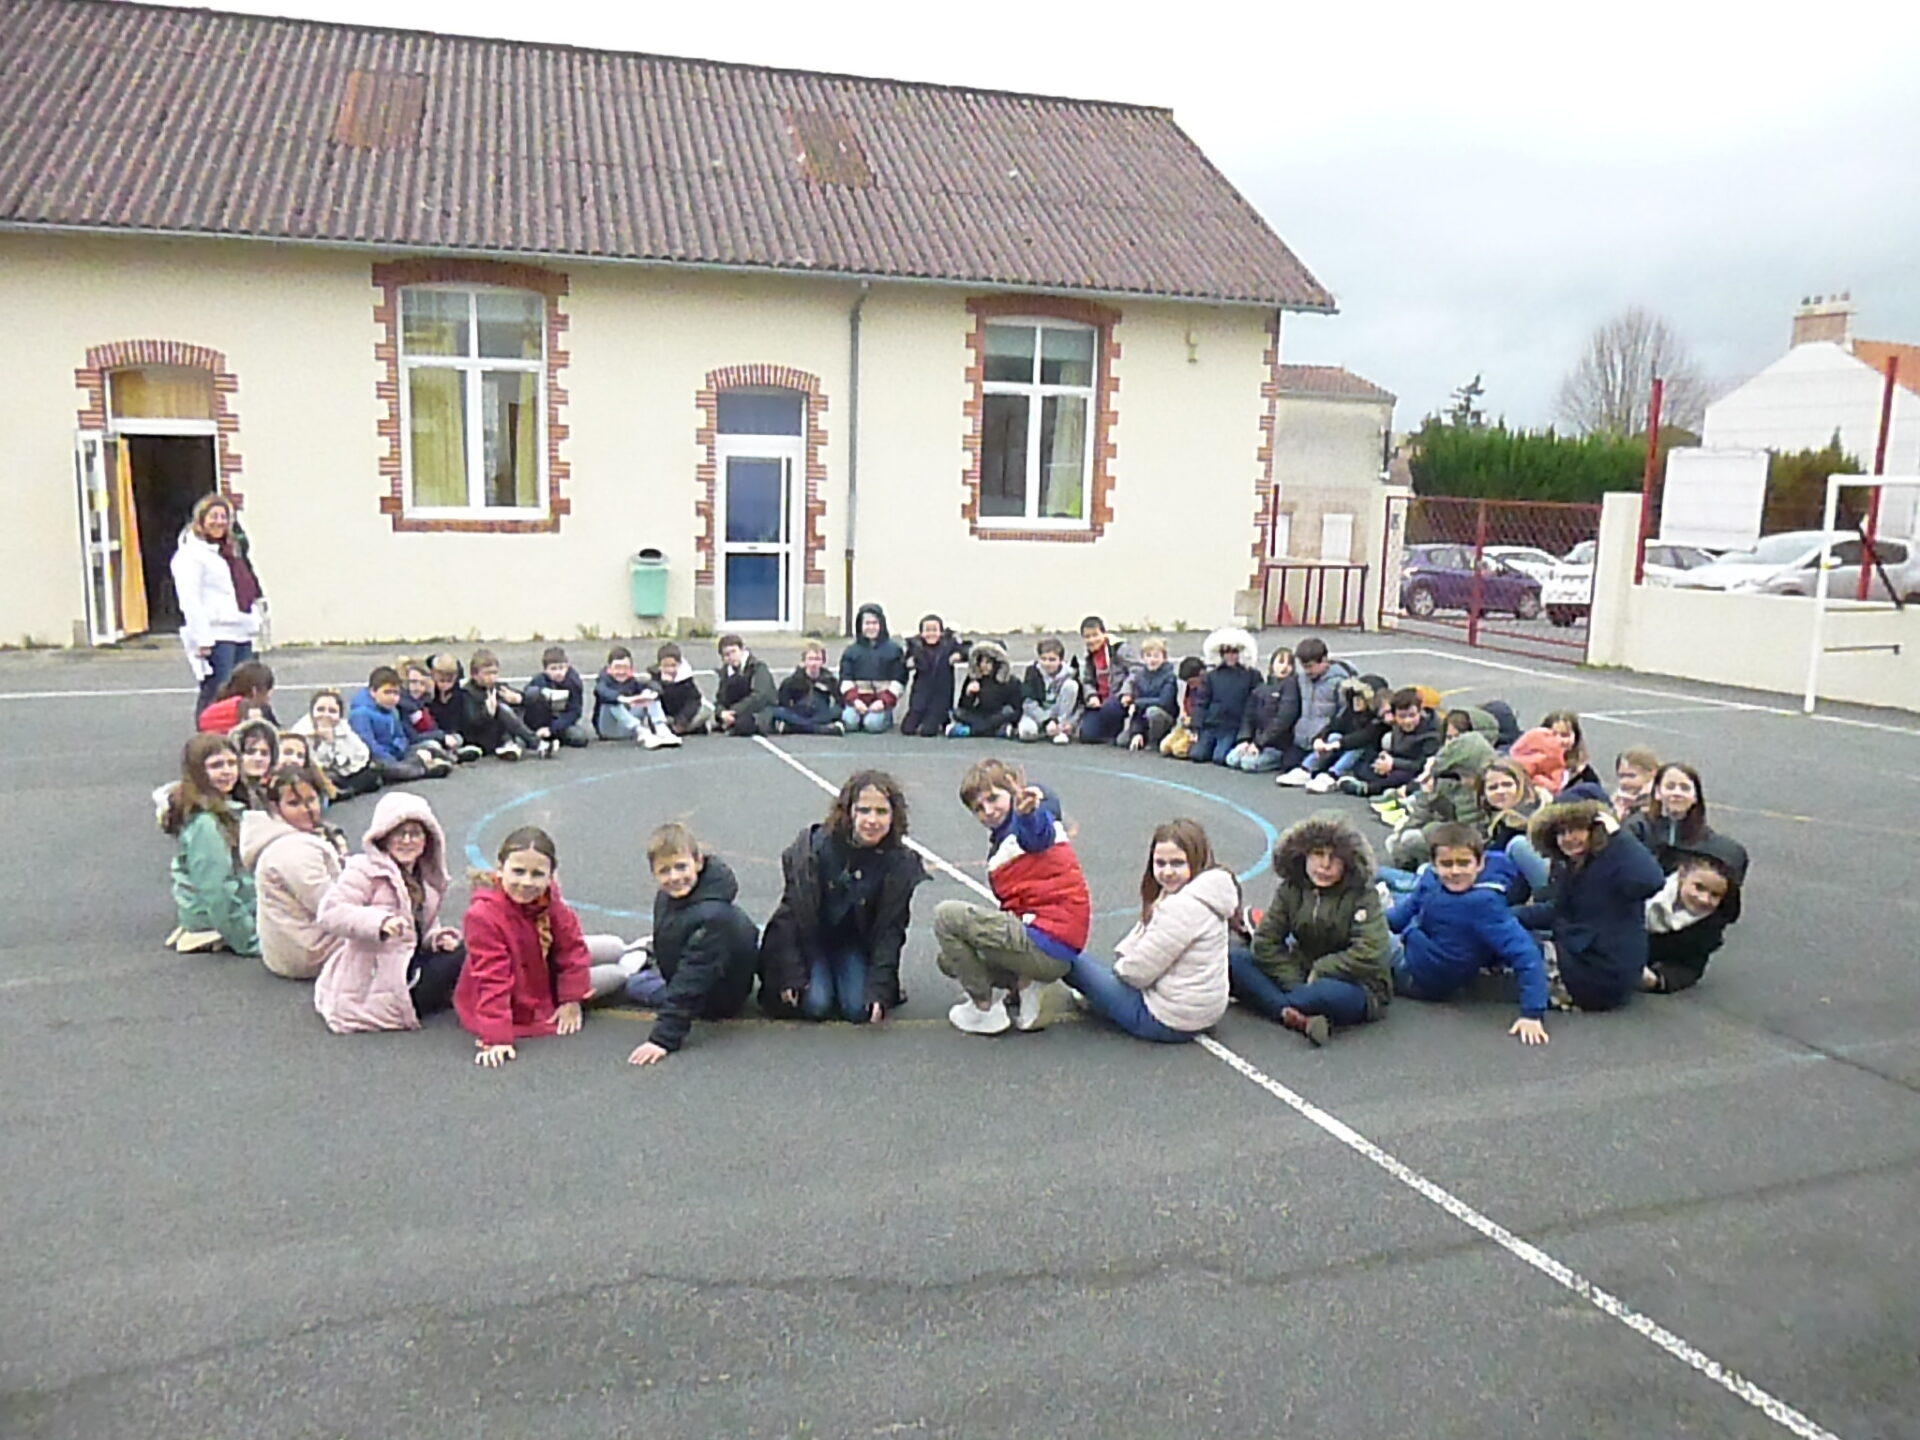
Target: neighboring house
[
  {"x": 462, "y": 324},
  {"x": 1828, "y": 382},
  {"x": 1330, "y": 459}
]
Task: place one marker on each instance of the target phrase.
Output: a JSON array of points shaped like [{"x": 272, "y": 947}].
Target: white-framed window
[
  {"x": 472, "y": 397},
  {"x": 1036, "y": 442}
]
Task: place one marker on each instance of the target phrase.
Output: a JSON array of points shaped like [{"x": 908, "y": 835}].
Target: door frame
[{"x": 790, "y": 451}]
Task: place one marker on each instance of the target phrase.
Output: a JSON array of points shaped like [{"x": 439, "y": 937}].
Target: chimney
[{"x": 1824, "y": 317}]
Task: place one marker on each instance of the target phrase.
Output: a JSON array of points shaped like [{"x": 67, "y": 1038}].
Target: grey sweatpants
[{"x": 987, "y": 949}]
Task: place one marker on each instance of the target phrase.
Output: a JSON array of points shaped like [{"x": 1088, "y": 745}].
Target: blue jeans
[
  {"x": 1213, "y": 746},
  {"x": 1341, "y": 762},
  {"x": 1400, "y": 882},
  {"x": 226, "y": 654},
  {"x": 1341, "y": 1001},
  {"x": 1101, "y": 724},
  {"x": 1406, "y": 983},
  {"x": 1259, "y": 763},
  {"x": 836, "y": 984},
  {"x": 1112, "y": 999},
  {"x": 621, "y": 722},
  {"x": 1529, "y": 862},
  {"x": 876, "y": 721},
  {"x": 802, "y": 722}
]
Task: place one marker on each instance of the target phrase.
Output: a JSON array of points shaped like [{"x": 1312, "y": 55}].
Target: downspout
[{"x": 853, "y": 440}]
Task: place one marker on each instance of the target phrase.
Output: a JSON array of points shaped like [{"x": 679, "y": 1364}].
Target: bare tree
[{"x": 1607, "y": 390}]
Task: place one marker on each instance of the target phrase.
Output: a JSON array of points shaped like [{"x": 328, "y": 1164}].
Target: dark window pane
[
  {"x": 1003, "y": 456},
  {"x": 434, "y": 322},
  {"x": 1066, "y": 357},
  {"x": 755, "y": 502},
  {"x": 512, "y": 324},
  {"x": 753, "y": 587},
  {"x": 1010, "y": 353},
  {"x": 512, "y": 438},
  {"x": 759, "y": 412}
]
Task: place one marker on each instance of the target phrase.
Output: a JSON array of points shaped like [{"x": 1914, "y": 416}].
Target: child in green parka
[
  {"x": 1320, "y": 955},
  {"x": 212, "y": 890}
]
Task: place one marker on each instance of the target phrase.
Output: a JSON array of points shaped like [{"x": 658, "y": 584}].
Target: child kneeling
[
  {"x": 1320, "y": 954},
  {"x": 705, "y": 949},
  {"x": 1169, "y": 981}
]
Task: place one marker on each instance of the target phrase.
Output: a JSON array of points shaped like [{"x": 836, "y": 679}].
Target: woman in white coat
[{"x": 220, "y": 600}]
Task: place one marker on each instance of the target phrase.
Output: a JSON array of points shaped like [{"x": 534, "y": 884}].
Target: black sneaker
[{"x": 469, "y": 753}]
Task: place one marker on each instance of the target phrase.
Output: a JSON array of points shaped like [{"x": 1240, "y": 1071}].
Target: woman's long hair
[
  {"x": 196, "y": 795},
  {"x": 1193, "y": 842}
]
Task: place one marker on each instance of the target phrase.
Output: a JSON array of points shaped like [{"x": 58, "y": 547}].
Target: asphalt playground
[{"x": 1695, "y": 1218}]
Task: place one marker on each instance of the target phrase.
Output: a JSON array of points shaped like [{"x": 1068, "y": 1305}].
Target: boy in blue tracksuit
[
  {"x": 374, "y": 715},
  {"x": 1456, "y": 922}
]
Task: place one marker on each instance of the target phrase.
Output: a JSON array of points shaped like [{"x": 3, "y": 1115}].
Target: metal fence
[
  {"x": 1500, "y": 574},
  {"x": 1309, "y": 592}
]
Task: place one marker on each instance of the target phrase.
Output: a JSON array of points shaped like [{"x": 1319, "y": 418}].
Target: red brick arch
[
  {"x": 707, "y": 473},
  {"x": 103, "y": 360}
]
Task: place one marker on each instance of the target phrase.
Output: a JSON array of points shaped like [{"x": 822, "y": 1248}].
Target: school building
[{"x": 464, "y": 324}]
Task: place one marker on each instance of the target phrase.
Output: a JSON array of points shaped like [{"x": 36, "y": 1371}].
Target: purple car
[{"x": 1440, "y": 577}]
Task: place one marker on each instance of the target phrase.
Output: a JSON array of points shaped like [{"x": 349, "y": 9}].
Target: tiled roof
[
  {"x": 134, "y": 117},
  {"x": 1329, "y": 380},
  {"x": 1877, "y": 352}
]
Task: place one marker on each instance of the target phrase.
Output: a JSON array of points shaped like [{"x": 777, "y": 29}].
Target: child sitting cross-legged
[
  {"x": 1260, "y": 749},
  {"x": 626, "y": 706},
  {"x": 295, "y": 857},
  {"x": 529, "y": 969},
  {"x": 705, "y": 949},
  {"x": 808, "y": 700},
  {"x": 932, "y": 656},
  {"x": 1014, "y": 952},
  {"x": 873, "y": 673},
  {"x": 990, "y": 698},
  {"x": 1178, "y": 744},
  {"x": 1049, "y": 696},
  {"x": 1601, "y": 879},
  {"x": 1688, "y": 918},
  {"x": 1457, "y": 923},
  {"x": 1168, "y": 981},
  {"x": 1151, "y": 698},
  {"x": 491, "y": 720},
  {"x": 746, "y": 694},
  {"x": 554, "y": 702},
  {"x": 213, "y": 893},
  {"x": 1226, "y": 695},
  {"x": 416, "y": 690},
  {"x": 1320, "y": 953},
  {"x": 1409, "y": 742},
  {"x": 686, "y": 708},
  {"x": 337, "y": 752},
  {"x": 374, "y": 715}
]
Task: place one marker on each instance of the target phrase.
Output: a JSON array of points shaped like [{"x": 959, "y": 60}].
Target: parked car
[
  {"x": 1568, "y": 591},
  {"x": 1440, "y": 577},
  {"x": 1789, "y": 564},
  {"x": 1527, "y": 559}
]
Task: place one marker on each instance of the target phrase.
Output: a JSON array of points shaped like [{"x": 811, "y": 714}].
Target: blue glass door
[{"x": 756, "y": 539}]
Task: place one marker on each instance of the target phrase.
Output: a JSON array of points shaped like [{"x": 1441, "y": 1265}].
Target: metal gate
[{"x": 1513, "y": 575}]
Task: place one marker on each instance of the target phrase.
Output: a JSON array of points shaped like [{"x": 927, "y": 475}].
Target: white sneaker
[
  {"x": 670, "y": 740},
  {"x": 636, "y": 957},
  {"x": 650, "y": 739},
  {"x": 970, "y": 1018},
  {"x": 1061, "y": 737},
  {"x": 1294, "y": 778},
  {"x": 1322, "y": 784},
  {"x": 1033, "y": 1006},
  {"x": 509, "y": 750}
]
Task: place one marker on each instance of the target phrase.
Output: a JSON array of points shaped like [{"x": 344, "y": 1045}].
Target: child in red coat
[{"x": 528, "y": 967}]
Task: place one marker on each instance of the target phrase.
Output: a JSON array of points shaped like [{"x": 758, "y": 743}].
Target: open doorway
[{"x": 170, "y": 472}]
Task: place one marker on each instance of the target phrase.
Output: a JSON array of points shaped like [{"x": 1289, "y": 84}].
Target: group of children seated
[{"x": 1506, "y": 851}]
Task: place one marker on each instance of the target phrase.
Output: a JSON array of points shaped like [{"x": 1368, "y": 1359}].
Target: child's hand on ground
[
  {"x": 492, "y": 1056},
  {"x": 647, "y": 1054},
  {"x": 1028, "y": 800},
  {"x": 1529, "y": 1032},
  {"x": 567, "y": 1019},
  {"x": 1139, "y": 742}
]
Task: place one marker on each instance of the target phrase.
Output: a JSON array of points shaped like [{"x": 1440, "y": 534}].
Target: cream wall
[
  {"x": 1183, "y": 498},
  {"x": 297, "y": 329}
]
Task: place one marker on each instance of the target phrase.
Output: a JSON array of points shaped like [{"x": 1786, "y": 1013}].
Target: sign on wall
[{"x": 1713, "y": 498}]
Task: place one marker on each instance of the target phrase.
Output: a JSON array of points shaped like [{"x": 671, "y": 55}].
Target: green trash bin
[{"x": 647, "y": 577}]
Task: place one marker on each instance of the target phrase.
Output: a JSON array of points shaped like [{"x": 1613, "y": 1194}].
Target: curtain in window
[
  {"x": 437, "y": 436},
  {"x": 1063, "y": 451},
  {"x": 161, "y": 392},
  {"x": 512, "y": 428}
]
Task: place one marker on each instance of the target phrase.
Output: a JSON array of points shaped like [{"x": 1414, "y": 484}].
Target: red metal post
[
  {"x": 1646, "y": 481},
  {"x": 1879, "y": 468},
  {"x": 1474, "y": 593}
]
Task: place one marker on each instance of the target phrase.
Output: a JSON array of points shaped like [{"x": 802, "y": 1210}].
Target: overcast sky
[{"x": 1479, "y": 185}]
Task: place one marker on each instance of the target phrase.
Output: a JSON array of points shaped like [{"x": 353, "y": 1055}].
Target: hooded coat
[
  {"x": 1177, "y": 957},
  {"x": 1678, "y": 958},
  {"x": 1339, "y": 933},
  {"x": 931, "y": 700},
  {"x": 873, "y": 669},
  {"x": 292, "y": 871},
  {"x": 363, "y": 984},
  {"x": 1228, "y": 688},
  {"x": 706, "y": 949},
  {"x": 990, "y": 694},
  {"x": 1597, "y": 912},
  {"x": 793, "y": 931},
  {"x": 512, "y": 985}
]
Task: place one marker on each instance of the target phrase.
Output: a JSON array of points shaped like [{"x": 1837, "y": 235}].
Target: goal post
[{"x": 1823, "y": 584}]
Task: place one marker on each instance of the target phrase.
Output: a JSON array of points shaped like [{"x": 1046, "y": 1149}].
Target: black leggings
[{"x": 432, "y": 976}]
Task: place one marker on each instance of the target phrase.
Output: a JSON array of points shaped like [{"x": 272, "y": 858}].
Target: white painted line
[
  {"x": 1604, "y": 1301},
  {"x": 344, "y": 686},
  {"x": 1654, "y": 710}
]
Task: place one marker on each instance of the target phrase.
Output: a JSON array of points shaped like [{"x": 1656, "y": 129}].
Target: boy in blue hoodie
[
  {"x": 1457, "y": 923},
  {"x": 374, "y": 715}
]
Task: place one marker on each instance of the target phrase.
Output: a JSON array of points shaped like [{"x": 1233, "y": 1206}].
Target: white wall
[
  {"x": 1797, "y": 403},
  {"x": 1759, "y": 642}
]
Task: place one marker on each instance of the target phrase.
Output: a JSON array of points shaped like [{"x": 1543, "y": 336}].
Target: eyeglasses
[{"x": 407, "y": 832}]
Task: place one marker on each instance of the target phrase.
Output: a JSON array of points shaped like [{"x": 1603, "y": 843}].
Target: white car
[
  {"x": 1527, "y": 559},
  {"x": 1789, "y": 563},
  {"x": 1567, "y": 591}
]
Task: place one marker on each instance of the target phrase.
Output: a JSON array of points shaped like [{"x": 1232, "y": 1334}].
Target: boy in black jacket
[
  {"x": 930, "y": 658},
  {"x": 808, "y": 701},
  {"x": 1409, "y": 742},
  {"x": 704, "y": 946},
  {"x": 555, "y": 704},
  {"x": 687, "y": 709},
  {"x": 746, "y": 695}
]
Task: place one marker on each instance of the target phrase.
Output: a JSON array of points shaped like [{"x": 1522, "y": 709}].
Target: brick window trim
[
  {"x": 389, "y": 279},
  {"x": 1104, "y": 322},
  {"x": 1266, "y": 485},
  {"x": 103, "y": 360},
  {"x": 707, "y": 473}
]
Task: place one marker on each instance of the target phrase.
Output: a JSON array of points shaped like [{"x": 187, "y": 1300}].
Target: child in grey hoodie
[{"x": 1050, "y": 696}]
